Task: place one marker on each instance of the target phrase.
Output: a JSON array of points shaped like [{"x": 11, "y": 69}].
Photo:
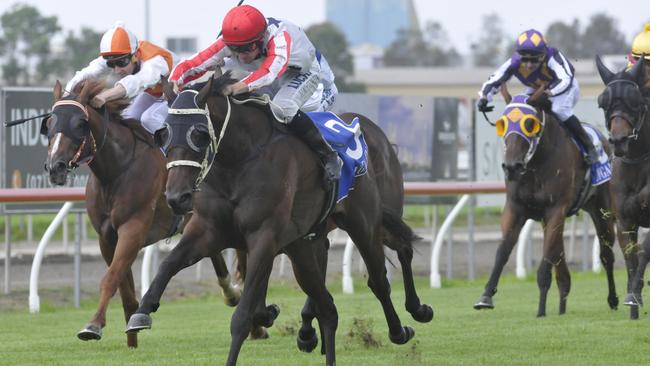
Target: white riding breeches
[
  {"x": 562, "y": 105},
  {"x": 150, "y": 110}
]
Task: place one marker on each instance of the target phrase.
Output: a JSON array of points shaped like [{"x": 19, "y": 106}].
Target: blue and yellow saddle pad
[
  {"x": 348, "y": 142},
  {"x": 601, "y": 171}
]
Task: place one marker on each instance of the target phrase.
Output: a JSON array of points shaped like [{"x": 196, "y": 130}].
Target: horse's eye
[{"x": 199, "y": 138}]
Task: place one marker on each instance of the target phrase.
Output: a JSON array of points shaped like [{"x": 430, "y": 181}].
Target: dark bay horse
[
  {"x": 263, "y": 193},
  {"x": 124, "y": 194},
  {"x": 625, "y": 104},
  {"x": 544, "y": 173}
]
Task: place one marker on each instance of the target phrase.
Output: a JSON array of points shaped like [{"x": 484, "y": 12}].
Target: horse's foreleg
[
  {"x": 627, "y": 235},
  {"x": 260, "y": 263},
  {"x": 130, "y": 304},
  {"x": 635, "y": 298},
  {"x": 187, "y": 252},
  {"x": 120, "y": 261},
  {"x": 553, "y": 255},
  {"x": 511, "y": 225}
]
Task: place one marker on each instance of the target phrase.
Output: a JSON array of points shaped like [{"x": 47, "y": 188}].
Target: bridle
[
  {"x": 211, "y": 149},
  {"x": 605, "y": 102}
]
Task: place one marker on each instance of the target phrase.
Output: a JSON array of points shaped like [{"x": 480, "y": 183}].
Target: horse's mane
[{"x": 88, "y": 89}]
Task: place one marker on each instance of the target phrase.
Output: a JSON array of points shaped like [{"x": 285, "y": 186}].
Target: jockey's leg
[
  {"x": 576, "y": 129},
  {"x": 153, "y": 118}
]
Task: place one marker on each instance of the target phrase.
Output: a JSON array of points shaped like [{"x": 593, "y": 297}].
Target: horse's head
[
  {"x": 68, "y": 133},
  {"x": 521, "y": 128},
  {"x": 623, "y": 103},
  {"x": 189, "y": 141}
]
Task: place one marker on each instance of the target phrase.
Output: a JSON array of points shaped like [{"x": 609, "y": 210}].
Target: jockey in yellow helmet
[
  {"x": 641, "y": 46},
  {"x": 139, "y": 66}
]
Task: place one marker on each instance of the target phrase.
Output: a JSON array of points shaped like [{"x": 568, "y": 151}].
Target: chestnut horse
[
  {"x": 124, "y": 194},
  {"x": 545, "y": 174},
  {"x": 625, "y": 104},
  {"x": 263, "y": 192}
]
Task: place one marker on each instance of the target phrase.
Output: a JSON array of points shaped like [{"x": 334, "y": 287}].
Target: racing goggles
[{"x": 121, "y": 61}]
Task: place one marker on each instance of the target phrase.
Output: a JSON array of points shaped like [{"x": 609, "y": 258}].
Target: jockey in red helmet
[
  {"x": 139, "y": 67},
  {"x": 279, "y": 60},
  {"x": 535, "y": 64}
]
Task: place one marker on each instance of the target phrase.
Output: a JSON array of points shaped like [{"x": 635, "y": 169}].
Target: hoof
[
  {"x": 233, "y": 298},
  {"x": 90, "y": 332},
  {"x": 307, "y": 340},
  {"x": 273, "y": 311},
  {"x": 404, "y": 336},
  {"x": 259, "y": 333},
  {"x": 423, "y": 314},
  {"x": 632, "y": 299},
  {"x": 613, "y": 302},
  {"x": 484, "y": 302},
  {"x": 138, "y": 322}
]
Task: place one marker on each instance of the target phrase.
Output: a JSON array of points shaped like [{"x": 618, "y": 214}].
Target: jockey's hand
[
  {"x": 175, "y": 87},
  {"x": 236, "y": 88},
  {"x": 98, "y": 101},
  {"x": 483, "y": 106}
]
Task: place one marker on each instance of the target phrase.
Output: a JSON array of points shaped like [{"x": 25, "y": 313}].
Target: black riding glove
[{"x": 483, "y": 106}]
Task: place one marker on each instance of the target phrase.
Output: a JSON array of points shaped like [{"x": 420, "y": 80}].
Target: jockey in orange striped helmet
[{"x": 139, "y": 66}]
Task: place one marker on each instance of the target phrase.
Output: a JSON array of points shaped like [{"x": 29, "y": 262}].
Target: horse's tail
[{"x": 399, "y": 234}]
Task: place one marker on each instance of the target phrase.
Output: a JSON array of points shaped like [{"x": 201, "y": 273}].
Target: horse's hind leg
[
  {"x": 400, "y": 236},
  {"x": 193, "y": 246},
  {"x": 511, "y": 225},
  {"x": 604, "y": 224},
  {"x": 372, "y": 252},
  {"x": 306, "y": 268},
  {"x": 231, "y": 293},
  {"x": 307, "y": 338}
]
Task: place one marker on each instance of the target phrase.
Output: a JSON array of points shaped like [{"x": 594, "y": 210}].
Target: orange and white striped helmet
[{"x": 118, "y": 41}]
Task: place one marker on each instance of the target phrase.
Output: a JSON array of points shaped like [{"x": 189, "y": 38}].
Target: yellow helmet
[{"x": 641, "y": 43}]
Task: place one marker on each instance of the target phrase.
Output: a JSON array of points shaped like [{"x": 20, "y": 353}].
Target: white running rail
[
  {"x": 437, "y": 245},
  {"x": 34, "y": 301}
]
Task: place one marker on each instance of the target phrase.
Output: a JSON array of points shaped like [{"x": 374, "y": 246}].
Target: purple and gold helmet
[{"x": 531, "y": 41}]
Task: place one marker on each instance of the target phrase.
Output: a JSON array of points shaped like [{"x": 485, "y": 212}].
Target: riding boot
[
  {"x": 305, "y": 129},
  {"x": 576, "y": 129}
]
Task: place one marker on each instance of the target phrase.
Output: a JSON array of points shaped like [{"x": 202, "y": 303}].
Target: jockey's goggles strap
[{"x": 74, "y": 103}]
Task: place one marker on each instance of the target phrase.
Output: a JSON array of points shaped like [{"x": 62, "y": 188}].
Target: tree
[
  {"x": 26, "y": 45},
  {"x": 488, "y": 50},
  {"x": 602, "y": 37},
  {"x": 565, "y": 38},
  {"x": 79, "y": 51},
  {"x": 415, "y": 48},
  {"x": 332, "y": 44}
]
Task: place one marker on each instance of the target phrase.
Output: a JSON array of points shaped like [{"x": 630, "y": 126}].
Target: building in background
[
  {"x": 182, "y": 46},
  {"x": 375, "y": 22}
]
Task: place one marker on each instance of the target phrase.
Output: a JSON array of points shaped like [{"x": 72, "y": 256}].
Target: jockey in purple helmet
[{"x": 535, "y": 64}]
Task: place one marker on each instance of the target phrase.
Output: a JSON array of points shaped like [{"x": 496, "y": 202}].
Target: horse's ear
[
  {"x": 205, "y": 92},
  {"x": 637, "y": 71},
  {"x": 217, "y": 72},
  {"x": 505, "y": 93},
  {"x": 168, "y": 91},
  {"x": 605, "y": 74},
  {"x": 58, "y": 91}
]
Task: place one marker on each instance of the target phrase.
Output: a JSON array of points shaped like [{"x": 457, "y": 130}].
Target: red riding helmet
[{"x": 243, "y": 25}]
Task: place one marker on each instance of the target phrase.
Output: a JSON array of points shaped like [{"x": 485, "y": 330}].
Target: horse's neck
[
  {"x": 247, "y": 131},
  {"x": 641, "y": 146},
  {"x": 554, "y": 143},
  {"x": 114, "y": 147}
]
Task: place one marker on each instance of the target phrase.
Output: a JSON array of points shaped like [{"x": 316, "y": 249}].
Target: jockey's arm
[
  {"x": 201, "y": 62},
  {"x": 560, "y": 67},
  {"x": 275, "y": 63},
  {"x": 149, "y": 75},
  {"x": 95, "y": 68},
  {"x": 493, "y": 83}
]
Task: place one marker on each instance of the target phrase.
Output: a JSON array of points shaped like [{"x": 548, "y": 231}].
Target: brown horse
[
  {"x": 264, "y": 193},
  {"x": 626, "y": 116},
  {"x": 124, "y": 194},
  {"x": 545, "y": 174}
]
